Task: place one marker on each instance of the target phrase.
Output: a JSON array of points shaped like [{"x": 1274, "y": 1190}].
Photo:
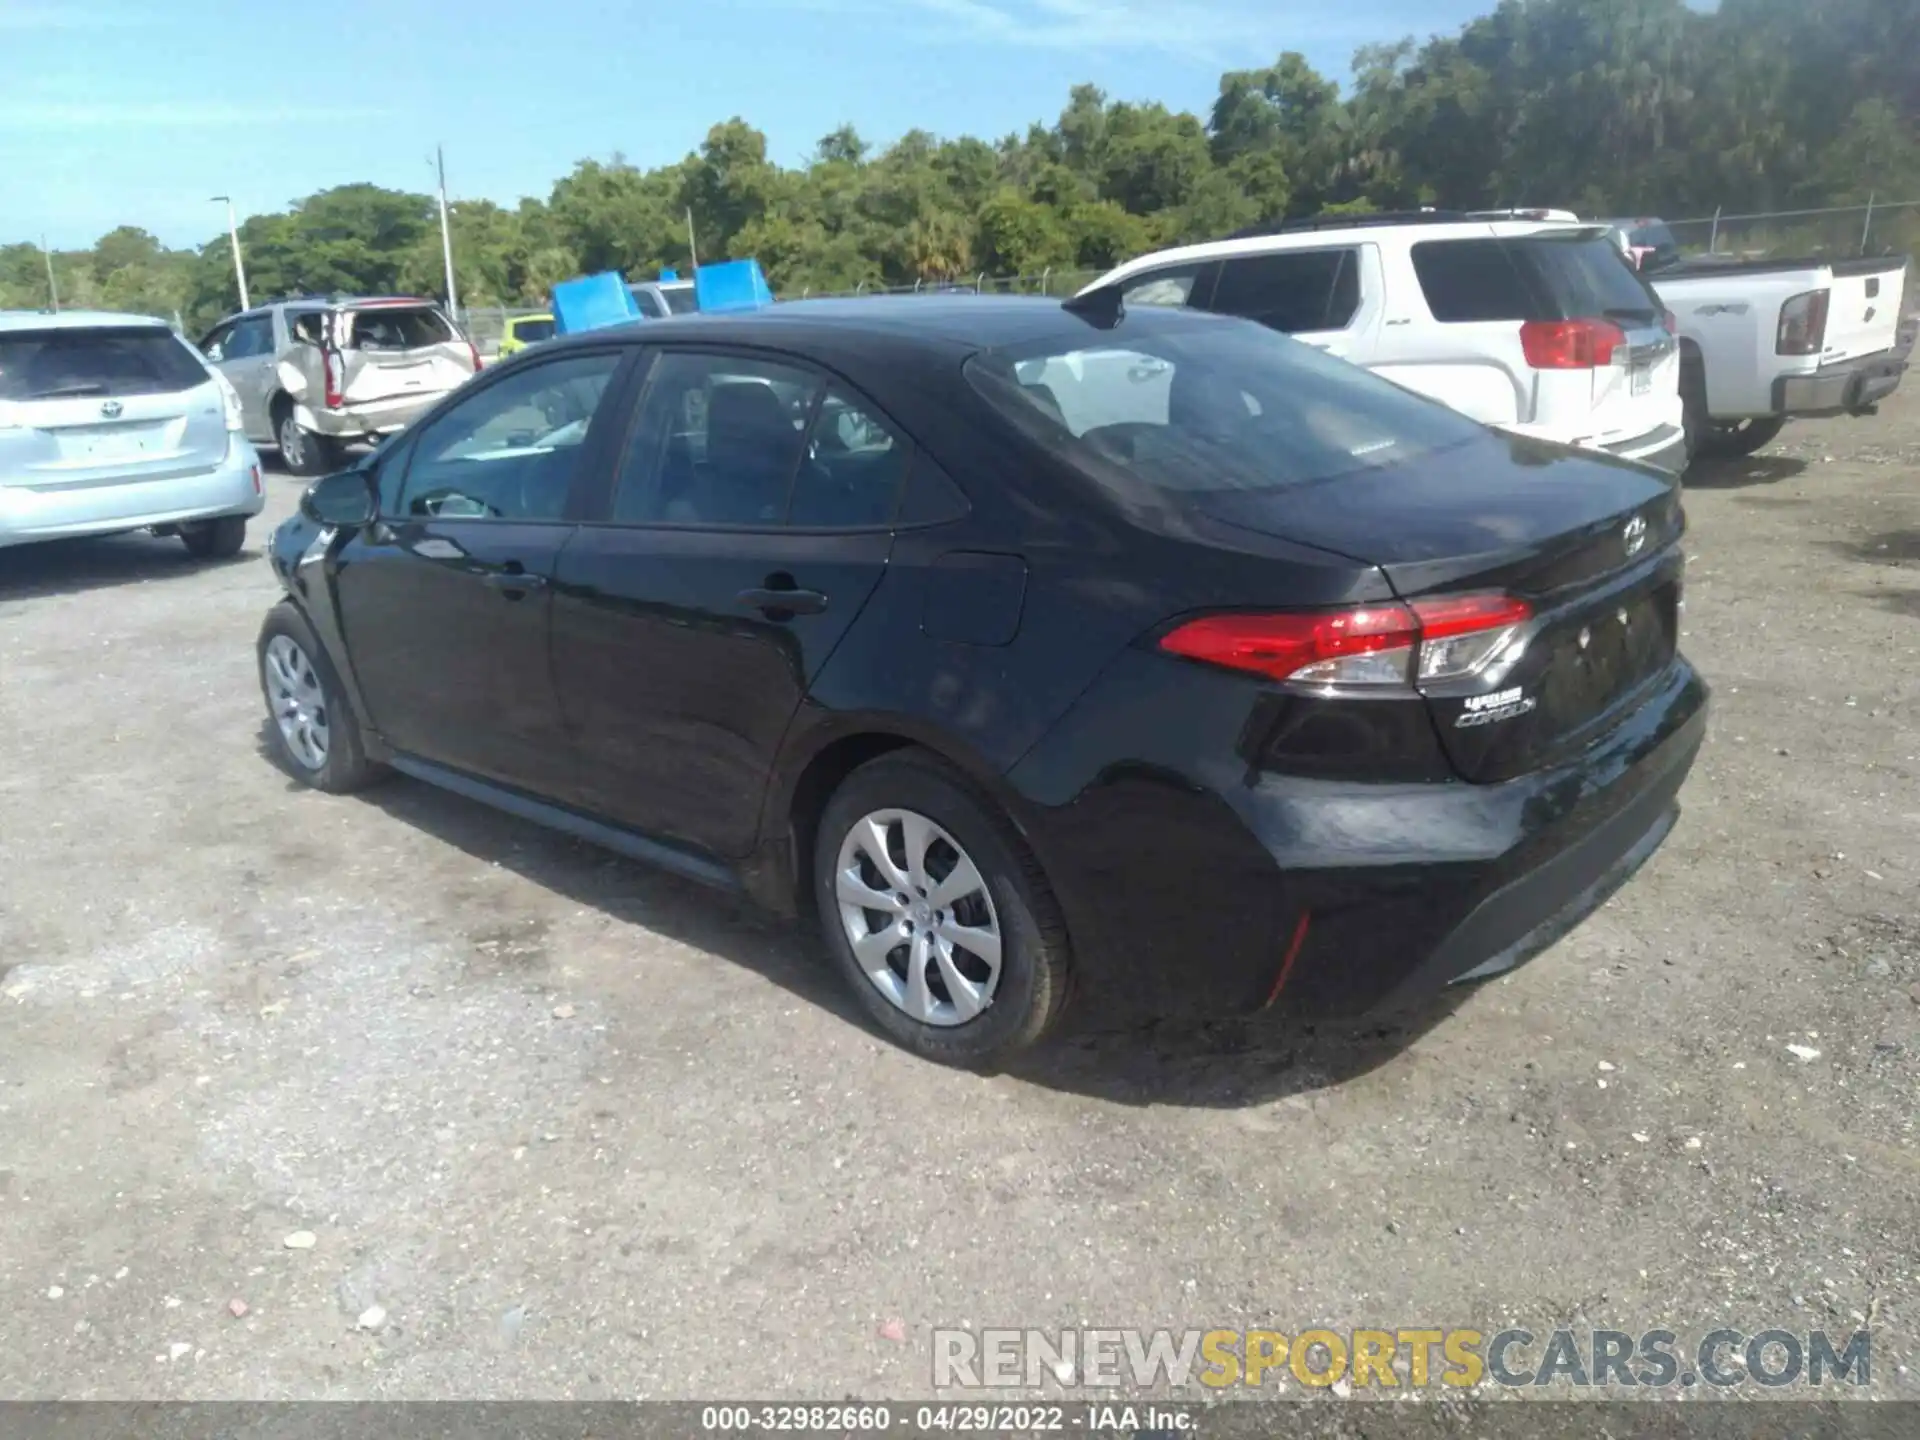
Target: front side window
[
  {"x": 1292, "y": 291},
  {"x": 1179, "y": 413},
  {"x": 718, "y": 441},
  {"x": 511, "y": 450}
]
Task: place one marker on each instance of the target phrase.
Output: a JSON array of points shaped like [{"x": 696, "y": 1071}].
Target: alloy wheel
[
  {"x": 919, "y": 917},
  {"x": 299, "y": 701},
  {"x": 293, "y": 443}
]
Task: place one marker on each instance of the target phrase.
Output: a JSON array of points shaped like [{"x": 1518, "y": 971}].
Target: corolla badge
[
  {"x": 111, "y": 409},
  {"x": 1633, "y": 535},
  {"x": 1493, "y": 708}
]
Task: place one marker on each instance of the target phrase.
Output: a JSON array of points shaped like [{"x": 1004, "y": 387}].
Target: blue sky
[{"x": 119, "y": 111}]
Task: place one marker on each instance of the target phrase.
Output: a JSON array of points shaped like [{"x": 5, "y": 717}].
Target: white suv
[{"x": 1541, "y": 328}]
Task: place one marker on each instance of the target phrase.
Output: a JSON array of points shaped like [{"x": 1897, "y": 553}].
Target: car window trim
[
  {"x": 592, "y": 453},
  {"x": 645, "y": 367}
]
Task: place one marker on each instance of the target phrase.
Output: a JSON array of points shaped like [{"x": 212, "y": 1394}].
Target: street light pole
[
  {"x": 53, "y": 285},
  {"x": 239, "y": 267},
  {"x": 446, "y": 234}
]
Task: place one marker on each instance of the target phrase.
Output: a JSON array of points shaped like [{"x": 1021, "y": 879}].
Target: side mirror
[{"x": 344, "y": 501}]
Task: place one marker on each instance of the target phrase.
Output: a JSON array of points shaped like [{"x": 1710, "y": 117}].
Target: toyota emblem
[
  {"x": 110, "y": 409},
  {"x": 1634, "y": 535}
]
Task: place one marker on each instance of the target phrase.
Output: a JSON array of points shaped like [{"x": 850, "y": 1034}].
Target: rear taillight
[
  {"x": 1570, "y": 344},
  {"x": 1450, "y": 638},
  {"x": 473, "y": 354},
  {"x": 331, "y": 364},
  {"x": 1803, "y": 325},
  {"x": 1669, "y": 322}
]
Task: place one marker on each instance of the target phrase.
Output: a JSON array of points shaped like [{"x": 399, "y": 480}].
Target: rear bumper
[
  {"x": 1324, "y": 899},
  {"x": 1843, "y": 388},
  {"x": 55, "y": 512},
  {"x": 382, "y": 417},
  {"x": 1664, "y": 447}
]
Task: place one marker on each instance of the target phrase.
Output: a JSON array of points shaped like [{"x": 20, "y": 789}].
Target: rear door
[
  {"x": 85, "y": 407},
  {"x": 392, "y": 350},
  {"x": 1329, "y": 298},
  {"x": 445, "y": 601},
  {"x": 751, "y": 522}
]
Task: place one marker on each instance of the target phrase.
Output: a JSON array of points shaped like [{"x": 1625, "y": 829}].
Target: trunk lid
[
  {"x": 1591, "y": 544},
  {"x": 83, "y": 406},
  {"x": 1864, "y": 308},
  {"x": 391, "y": 349}
]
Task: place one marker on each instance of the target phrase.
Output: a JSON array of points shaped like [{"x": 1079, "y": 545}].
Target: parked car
[
  {"x": 1142, "y": 656},
  {"x": 1763, "y": 341},
  {"x": 522, "y": 331},
  {"x": 314, "y": 375},
  {"x": 658, "y": 299},
  {"x": 111, "y": 423},
  {"x": 1539, "y": 327}
]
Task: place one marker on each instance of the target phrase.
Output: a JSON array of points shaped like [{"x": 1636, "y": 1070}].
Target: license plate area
[
  {"x": 1640, "y": 377},
  {"x": 107, "y": 446}
]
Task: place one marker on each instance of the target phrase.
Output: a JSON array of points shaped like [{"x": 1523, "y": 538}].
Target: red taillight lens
[
  {"x": 330, "y": 362},
  {"x": 1803, "y": 325},
  {"x": 1669, "y": 322},
  {"x": 473, "y": 354},
  {"x": 1570, "y": 344},
  {"x": 1438, "y": 639},
  {"x": 1373, "y": 646}
]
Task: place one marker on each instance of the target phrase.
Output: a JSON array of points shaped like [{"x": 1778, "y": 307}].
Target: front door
[
  {"x": 751, "y": 521},
  {"x": 243, "y": 351},
  {"x": 446, "y": 601}
]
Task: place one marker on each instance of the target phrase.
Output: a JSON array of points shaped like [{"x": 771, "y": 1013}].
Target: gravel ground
[{"x": 578, "y": 1129}]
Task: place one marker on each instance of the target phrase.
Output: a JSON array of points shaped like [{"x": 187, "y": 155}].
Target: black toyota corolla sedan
[{"x": 1052, "y": 655}]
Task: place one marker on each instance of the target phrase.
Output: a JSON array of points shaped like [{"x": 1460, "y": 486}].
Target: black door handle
[
  {"x": 784, "y": 602},
  {"x": 514, "y": 580}
]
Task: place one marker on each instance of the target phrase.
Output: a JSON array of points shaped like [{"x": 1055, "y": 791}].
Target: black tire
[
  {"x": 303, "y": 452},
  {"x": 1034, "y": 960},
  {"x": 346, "y": 766},
  {"x": 1740, "y": 437},
  {"x": 1697, "y": 422},
  {"x": 215, "y": 539}
]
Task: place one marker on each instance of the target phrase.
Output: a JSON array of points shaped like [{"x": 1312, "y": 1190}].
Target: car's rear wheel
[
  {"x": 302, "y": 451},
  {"x": 1740, "y": 437},
  {"x": 937, "y": 913},
  {"x": 215, "y": 539},
  {"x": 312, "y": 728}
]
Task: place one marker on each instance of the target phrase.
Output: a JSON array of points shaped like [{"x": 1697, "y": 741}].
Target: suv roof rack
[{"x": 1351, "y": 222}]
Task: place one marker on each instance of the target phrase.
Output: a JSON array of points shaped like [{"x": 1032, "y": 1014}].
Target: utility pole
[
  {"x": 239, "y": 266},
  {"x": 446, "y": 234},
  {"x": 693, "y": 253},
  {"x": 53, "y": 286}
]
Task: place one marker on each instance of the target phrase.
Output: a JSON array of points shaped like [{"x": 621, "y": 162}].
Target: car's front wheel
[
  {"x": 311, "y": 725},
  {"x": 302, "y": 451},
  {"x": 937, "y": 913}
]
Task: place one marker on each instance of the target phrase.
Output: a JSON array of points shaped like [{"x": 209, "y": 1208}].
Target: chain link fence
[{"x": 1891, "y": 228}]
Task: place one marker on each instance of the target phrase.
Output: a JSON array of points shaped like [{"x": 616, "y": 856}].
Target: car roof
[
  {"x": 75, "y": 320},
  {"x": 1319, "y": 239},
  {"x": 933, "y": 323}
]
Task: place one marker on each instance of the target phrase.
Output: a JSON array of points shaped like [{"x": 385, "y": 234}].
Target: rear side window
[
  {"x": 1293, "y": 291},
  {"x": 134, "y": 360},
  {"x": 1471, "y": 280},
  {"x": 718, "y": 441},
  {"x": 649, "y": 303},
  {"x": 1208, "y": 409},
  {"x": 854, "y": 464},
  {"x": 397, "y": 328}
]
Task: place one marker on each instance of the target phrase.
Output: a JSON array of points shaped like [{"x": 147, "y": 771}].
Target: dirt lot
[{"x": 580, "y": 1129}]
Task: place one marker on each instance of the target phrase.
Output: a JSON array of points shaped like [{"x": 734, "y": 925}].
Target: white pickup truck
[{"x": 1762, "y": 341}]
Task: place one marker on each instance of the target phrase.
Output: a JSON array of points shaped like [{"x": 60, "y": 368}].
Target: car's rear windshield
[
  {"x": 399, "y": 327},
  {"x": 130, "y": 360},
  {"x": 1219, "y": 406},
  {"x": 1568, "y": 276},
  {"x": 680, "y": 299},
  {"x": 533, "y": 330}
]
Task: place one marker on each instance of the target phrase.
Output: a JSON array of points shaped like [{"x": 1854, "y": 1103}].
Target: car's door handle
[
  {"x": 784, "y": 602},
  {"x": 514, "y": 580}
]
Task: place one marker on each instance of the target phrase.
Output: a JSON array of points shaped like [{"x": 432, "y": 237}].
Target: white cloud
[{"x": 46, "y": 115}]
